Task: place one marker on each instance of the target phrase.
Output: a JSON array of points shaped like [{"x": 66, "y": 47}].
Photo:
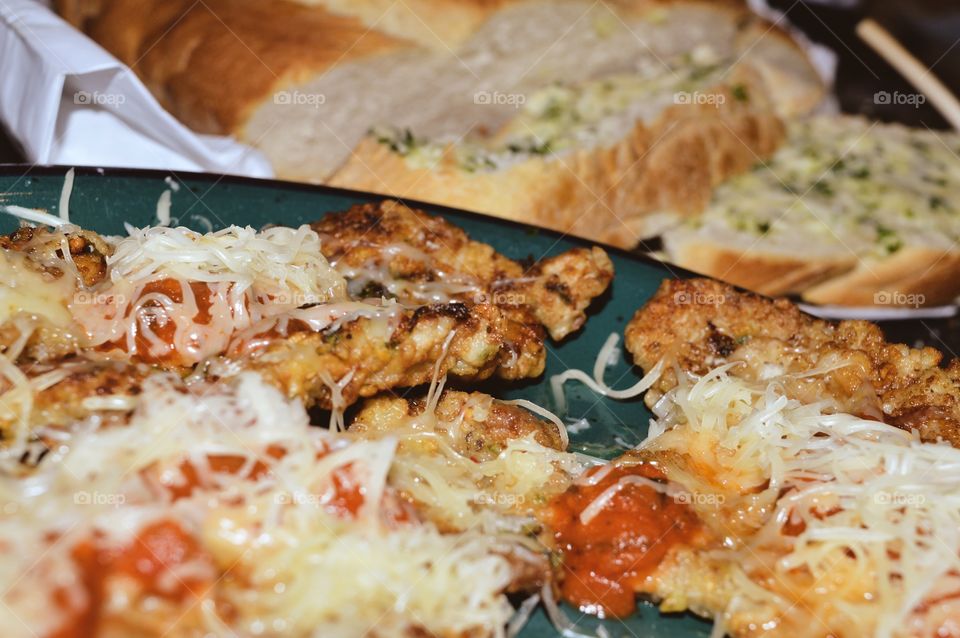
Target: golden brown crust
[
  {"x": 88, "y": 251},
  {"x": 485, "y": 426},
  {"x": 212, "y": 63},
  {"x": 763, "y": 272},
  {"x": 64, "y": 403},
  {"x": 914, "y": 276},
  {"x": 438, "y": 24},
  {"x": 484, "y": 342},
  {"x": 701, "y": 324},
  {"x": 603, "y": 194},
  {"x": 555, "y": 291},
  {"x": 497, "y": 310}
]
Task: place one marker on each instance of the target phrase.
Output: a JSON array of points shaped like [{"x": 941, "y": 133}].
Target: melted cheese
[
  {"x": 841, "y": 185},
  {"x": 561, "y": 117},
  {"x": 444, "y": 287},
  {"x": 24, "y": 290},
  {"x": 302, "y": 567},
  {"x": 245, "y": 278},
  {"x": 461, "y": 491},
  {"x": 873, "y": 513}
]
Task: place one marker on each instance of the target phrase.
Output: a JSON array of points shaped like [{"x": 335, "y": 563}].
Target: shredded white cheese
[
  {"x": 875, "y": 512},
  {"x": 239, "y": 277},
  {"x": 307, "y": 568},
  {"x": 34, "y": 215},
  {"x": 163, "y": 208},
  {"x": 596, "y": 383},
  {"x": 64, "y": 208}
]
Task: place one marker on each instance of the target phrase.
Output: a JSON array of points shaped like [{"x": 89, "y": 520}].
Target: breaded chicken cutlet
[
  {"x": 495, "y": 309},
  {"x": 405, "y": 297},
  {"x": 699, "y": 324},
  {"x": 306, "y": 508}
]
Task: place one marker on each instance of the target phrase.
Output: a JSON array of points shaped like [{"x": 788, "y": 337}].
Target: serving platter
[{"x": 105, "y": 199}]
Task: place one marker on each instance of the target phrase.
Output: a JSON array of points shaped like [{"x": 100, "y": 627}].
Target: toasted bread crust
[
  {"x": 914, "y": 276},
  {"x": 212, "y": 63},
  {"x": 188, "y": 53},
  {"x": 436, "y": 24},
  {"x": 762, "y": 271},
  {"x": 603, "y": 194}
]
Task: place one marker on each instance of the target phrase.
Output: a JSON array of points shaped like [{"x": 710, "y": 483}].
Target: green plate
[{"x": 103, "y": 199}]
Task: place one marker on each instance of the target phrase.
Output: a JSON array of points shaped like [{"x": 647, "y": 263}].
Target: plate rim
[{"x": 24, "y": 171}]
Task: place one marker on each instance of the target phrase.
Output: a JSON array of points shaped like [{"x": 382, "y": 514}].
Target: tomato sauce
[
  {"x": 345, "y": 498},
  {"x": 348, "y": 493},
  {"x": 219, "y": 463},
  {"x": 158, "y": 549},
  {"x": 162, "y": 327},
  {"x": 605, "y": 560},
  {"x": 162, "y": 546}
]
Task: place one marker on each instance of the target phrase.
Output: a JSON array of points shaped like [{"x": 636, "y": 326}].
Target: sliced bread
[
  {"x": 672, "y": 99},
  {"x": 306, "y": 81},
  {"x": 847, "y": 212}
]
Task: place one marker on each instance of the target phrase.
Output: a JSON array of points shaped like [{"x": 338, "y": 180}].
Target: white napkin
[{"x": 68, "y": 101}]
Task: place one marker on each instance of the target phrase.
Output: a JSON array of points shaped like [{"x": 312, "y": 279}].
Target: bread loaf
[
  {"x": 847, "y": 212},
  {"x": 306, "y": 82}
]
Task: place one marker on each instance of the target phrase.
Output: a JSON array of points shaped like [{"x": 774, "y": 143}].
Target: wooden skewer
[{"x": 912, "y": 69}]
